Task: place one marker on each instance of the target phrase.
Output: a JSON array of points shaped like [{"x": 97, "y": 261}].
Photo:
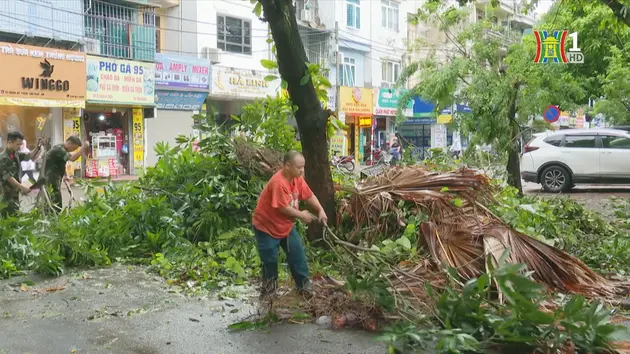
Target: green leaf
[
  {"x": 268, "y": 64},
  {"x": 244, "y": 325},
  {"x": 458, "y": 203},
  {"x": 271, "y": 78},
  {"x": 284, "y": 85},
  {"x": 269, "y": 40},
  {"x": 404, "y": 242},
  {"x": 444, "y": 189},
  {"x": 258, "y": 9},
  {"x": 305, "y": 79}
]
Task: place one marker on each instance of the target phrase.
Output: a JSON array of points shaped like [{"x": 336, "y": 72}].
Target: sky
[{"x": 543, "y": 7}]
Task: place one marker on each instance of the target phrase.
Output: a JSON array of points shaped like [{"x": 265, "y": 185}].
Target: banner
[
  {"x": 182, "y": 72},
  {"x": 120, "y": 81},
  {"x": 356, "y": 101},
  {"x": 72, "y": 126},
  {"x": 138, "y": 138}
]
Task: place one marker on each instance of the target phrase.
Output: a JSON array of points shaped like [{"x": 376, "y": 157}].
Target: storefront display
[
  {"x": 357, "y": 104},
  {"x": 113, "y": 87},
  {"x": 109, "y": 156}
]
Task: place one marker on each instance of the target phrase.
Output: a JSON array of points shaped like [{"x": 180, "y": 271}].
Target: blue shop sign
[
  {"x": 422, "y": 108},
  {"x": 180, "y": 100},
  {"x": 462, "y": 108}
]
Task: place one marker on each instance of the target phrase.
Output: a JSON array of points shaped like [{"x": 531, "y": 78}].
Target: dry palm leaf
[
  {"x": 462, "y": 232},
  {"x": 259, "y": 160},
  {"x": 466, "y": 250}
]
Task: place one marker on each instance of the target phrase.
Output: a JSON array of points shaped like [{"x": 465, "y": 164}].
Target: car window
[
  {"x": 554, "y": 140},
  {"x": 579, "y": 141},
  {"x": 615, "y": 142}
]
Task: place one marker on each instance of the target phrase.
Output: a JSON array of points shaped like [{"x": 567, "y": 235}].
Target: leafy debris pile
[{"x": 466, "y": 270}]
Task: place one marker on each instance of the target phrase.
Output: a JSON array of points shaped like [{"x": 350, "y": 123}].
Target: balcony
[
  {"x": 120, "y": 31},
  {"x": 505, "y": 35},
  {"x": 43, "y": 19}
]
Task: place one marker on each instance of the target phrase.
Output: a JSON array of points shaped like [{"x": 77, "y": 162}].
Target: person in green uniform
[
  {"x": 55, "y": 166},
  {"x": 10, "y": 186}
]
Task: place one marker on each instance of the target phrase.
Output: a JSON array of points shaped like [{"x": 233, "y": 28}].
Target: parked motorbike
[{"x": 345, "y": 162}]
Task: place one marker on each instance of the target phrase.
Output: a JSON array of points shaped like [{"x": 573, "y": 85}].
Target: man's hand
[
  {"x": 322, "y": 217},
  {"x": 25, "y": 190},
  {"x": 86, "y": 144},
  {"x": 307, "y": 217}
]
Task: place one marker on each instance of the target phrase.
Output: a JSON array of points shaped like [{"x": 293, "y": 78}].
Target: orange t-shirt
[{"x": 279, "y": 193}]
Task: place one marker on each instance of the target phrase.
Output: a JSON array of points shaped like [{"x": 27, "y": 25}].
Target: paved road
[
  {"x": 124, "y": 309},
  {"x": 594, "y": 197}
]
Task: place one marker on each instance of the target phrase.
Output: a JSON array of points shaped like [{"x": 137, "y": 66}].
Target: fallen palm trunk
[{"x": 461, "y": 232}]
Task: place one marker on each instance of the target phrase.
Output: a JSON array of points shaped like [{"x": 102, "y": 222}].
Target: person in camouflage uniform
[
  {"x": 55, "y": 166},
  {"x": 10, "y": 186}
]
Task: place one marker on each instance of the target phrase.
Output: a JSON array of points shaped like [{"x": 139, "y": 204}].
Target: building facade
[
  {"x": 111, "y": 47},
  {"x": 428, "y": 129}
]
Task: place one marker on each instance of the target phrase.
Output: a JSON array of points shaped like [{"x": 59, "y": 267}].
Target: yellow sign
[
  {"x": 72, "y": 126},
  {"x": 138, "y": 138},
  {"x": 365, "y": 121},
  {"x": 120, "y": 81},
  {"x": 444, "y": 119},
  {"x": 338, "y": 144},
  {"x": 356, "y": 100}
]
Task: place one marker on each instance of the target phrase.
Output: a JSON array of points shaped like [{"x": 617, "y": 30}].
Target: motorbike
[{"x": 345, "y": 162}]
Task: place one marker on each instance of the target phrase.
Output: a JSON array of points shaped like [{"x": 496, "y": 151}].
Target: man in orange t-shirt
[{"x": 273, "y": 222}]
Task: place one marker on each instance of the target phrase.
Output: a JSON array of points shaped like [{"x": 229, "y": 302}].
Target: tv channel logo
[{"x": 551, "y": 48}]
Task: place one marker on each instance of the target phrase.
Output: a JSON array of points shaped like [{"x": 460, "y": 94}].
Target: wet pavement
[{"x": 124, "y": 309}]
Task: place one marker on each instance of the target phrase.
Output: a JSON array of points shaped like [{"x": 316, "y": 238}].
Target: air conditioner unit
[
  {"x": 333, "y": 58},
  {"x": 212, "y": 54},
  {"x": 92, "y": 46}
]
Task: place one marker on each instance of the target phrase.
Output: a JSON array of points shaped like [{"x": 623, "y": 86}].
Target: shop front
[
  {"x": 181, "y": 85},
  {"x": 38, "y": 87},
  {"x": 385, "y": 111},
  {"x": 120, "y": 95},
  {"x": 233, "y": 88},
  {"x": 416, "y": 131},
  {"x": 357, "y": 104}
]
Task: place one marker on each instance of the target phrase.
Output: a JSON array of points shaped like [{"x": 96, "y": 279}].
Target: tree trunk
[
  {"x": 513, "y": 163},
  {"x": 310, "y": 116},
  {"x": 618, "y": 9}
]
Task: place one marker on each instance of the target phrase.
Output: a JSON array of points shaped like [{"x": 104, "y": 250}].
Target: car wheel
[{"x": 556, "y": 179}]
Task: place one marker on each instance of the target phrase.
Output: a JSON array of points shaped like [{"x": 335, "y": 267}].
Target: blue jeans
[{"x": 268, "y": 252}]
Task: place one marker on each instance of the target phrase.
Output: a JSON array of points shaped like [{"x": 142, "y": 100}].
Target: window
[
  {"x": 234, "y": 35},
  {"x": 555, "y": 140},
  {"x": 579, "y": 141},
  {"x": 480, "y": 14},
  {"x": 158, "y": 35},
  {"x": 389, "y": 14},
  {"x": 348, "y": 74},
  {"x": 391, "y": 72},
  {"x": 615, "y": 142},
  {"x": 353, "y": 14}
]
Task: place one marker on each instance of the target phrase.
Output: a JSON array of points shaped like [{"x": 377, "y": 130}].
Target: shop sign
[
  {"x": 138, "y": 138},
  {"x": 72, "y": 126},
  {"x": 243, "y": 83},
  {"x": 365, "y": 122},
  {"x": 445, "y": 116},
  {"x": 32, "y": 73},
  {"x": 180, "y": 100},
  {"x": 338, "y": 144},
  {"x": 181, "y": 72},
  {"x": 356, "y": 100},
  {"x": 387, "y": 103},
  {"x": 120, "y": 81}
]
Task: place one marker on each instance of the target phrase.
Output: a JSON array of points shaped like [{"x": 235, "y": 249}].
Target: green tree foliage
[
  {"x": 502, "y": 85},
  {"x": 616, "y": 87}
]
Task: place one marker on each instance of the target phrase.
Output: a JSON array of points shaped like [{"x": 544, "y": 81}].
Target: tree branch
[{"x": 618, "y": 9}]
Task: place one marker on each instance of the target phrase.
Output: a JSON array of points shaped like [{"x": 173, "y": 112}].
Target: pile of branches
[
  {"x": 462, "y": 232},
  {"x": 258, "y": 160}
]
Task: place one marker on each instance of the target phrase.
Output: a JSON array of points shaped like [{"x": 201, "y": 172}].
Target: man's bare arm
[
  {"x": 75, "y": 155},
  {"x": 290, "y": 212}
]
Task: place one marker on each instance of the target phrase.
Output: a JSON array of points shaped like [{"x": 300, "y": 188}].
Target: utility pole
[{"x": 338, "y": 86}]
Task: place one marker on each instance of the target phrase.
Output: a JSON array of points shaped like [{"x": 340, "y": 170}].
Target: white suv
[{"x": 559, "y": 160}]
